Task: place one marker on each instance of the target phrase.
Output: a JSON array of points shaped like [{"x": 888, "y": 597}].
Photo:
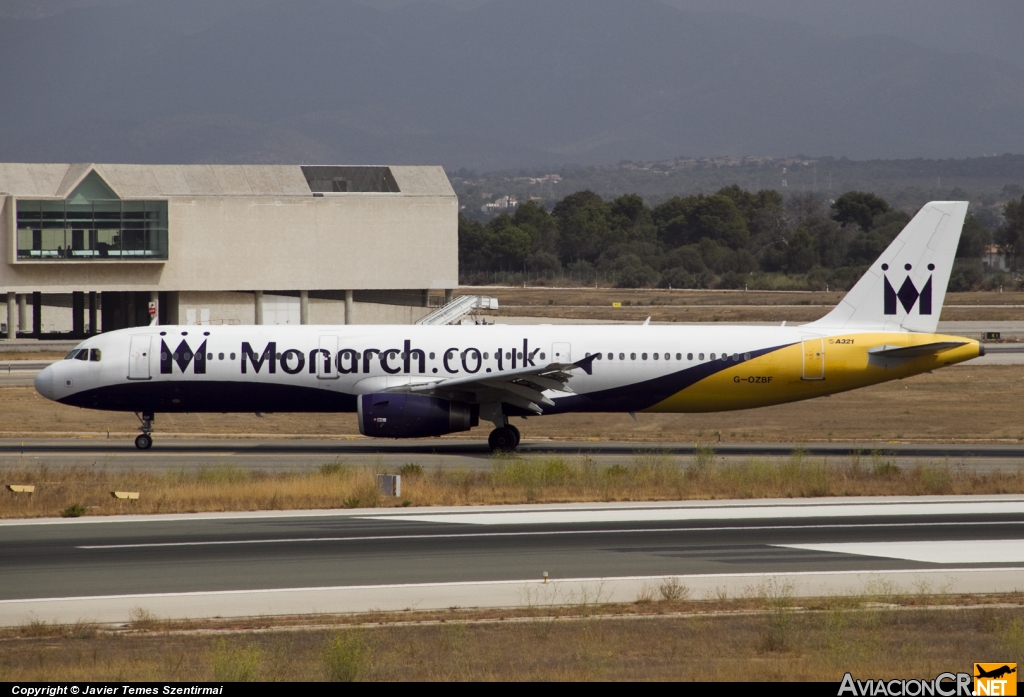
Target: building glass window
[{"x": 91, "y": 230}]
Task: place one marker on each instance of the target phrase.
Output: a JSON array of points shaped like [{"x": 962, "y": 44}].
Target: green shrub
[
  {"x": 236, "y": 663},
  {"x": 411, "y": 470},
  {"x": 73, "y": 511},
  {"x": 345, "y": 657}
]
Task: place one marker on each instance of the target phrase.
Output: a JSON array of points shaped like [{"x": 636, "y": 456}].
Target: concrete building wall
[
  {"x": 233, "y": 230},
  {"x": 362, "y": 242}
]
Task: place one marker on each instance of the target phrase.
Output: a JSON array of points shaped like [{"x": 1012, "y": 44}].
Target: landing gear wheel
[
  {"x": 502, "y": 440},
  {"x": 144, "y": 441},
  {"x": 515, "y": 432}
]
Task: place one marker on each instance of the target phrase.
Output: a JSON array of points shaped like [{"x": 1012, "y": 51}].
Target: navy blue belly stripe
[
  {"x": 642, "y": 395},
  {"x": 212, "y": 396}
]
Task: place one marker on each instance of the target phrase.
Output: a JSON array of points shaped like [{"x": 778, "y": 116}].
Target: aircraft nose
[{"x": 44, "y": 382}]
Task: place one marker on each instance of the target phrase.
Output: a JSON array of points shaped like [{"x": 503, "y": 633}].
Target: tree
[
  {"x": 583, "y": 226},
  {"x": 508, "y": 245},
  {"x": 538, "y": 223},
  {"x": 974, "y": 239},
  {"x": 860, "y": 208},
  {"x": 1010, "y": 235},
  {"x": 632, "y": 220},
  {"x": 689, "y": 220}
]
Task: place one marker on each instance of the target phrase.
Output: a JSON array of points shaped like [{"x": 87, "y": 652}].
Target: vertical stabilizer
[{"x": 904, "y": 288}]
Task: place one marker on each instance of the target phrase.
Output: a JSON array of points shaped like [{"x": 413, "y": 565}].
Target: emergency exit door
[{"x": 814, "y": 359}]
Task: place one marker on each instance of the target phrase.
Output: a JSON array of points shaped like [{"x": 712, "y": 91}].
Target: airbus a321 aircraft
[{"x": 421, "y": 381}]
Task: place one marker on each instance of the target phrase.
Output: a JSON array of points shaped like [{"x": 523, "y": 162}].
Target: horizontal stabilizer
[{"x": 914, "y": 351}]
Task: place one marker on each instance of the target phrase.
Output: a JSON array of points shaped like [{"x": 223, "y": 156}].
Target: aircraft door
[
  {"x": 138, "y": 357},
  {"x": 561, "y": 353},
  {"x": 326, "y": 367},
  {"x": 814, "y": 359}
]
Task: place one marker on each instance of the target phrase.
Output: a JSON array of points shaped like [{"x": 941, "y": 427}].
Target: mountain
[{"x": 508, "y": 83}]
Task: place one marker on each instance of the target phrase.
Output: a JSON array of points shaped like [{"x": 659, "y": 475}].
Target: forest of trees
[{"x": 729, "y": 239}]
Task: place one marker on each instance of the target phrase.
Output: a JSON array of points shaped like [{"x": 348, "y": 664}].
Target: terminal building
[{"x": 96, "y": 247}]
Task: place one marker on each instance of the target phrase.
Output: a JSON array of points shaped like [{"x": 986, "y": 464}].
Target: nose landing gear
[{"x": 145, "y": 440}]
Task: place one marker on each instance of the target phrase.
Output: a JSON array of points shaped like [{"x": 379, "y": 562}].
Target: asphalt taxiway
[{"x": 237, "y": 564}]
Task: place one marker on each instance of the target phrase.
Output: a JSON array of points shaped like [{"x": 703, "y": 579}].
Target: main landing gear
[
  {"x": 145, "y": 440},
  {"x": 504, "y": 438}
]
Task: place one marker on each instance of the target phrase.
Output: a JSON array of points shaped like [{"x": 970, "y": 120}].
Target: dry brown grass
[
  {"x": 987, "y": 408},
  {"x": 653, "y": 476},
  {"x": 765, "y": 637},
  {"x": 31, "y": 355}
]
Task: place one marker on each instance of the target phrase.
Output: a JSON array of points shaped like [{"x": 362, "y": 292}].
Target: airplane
[
  {"x": 995, "y": 673},
  {"x": 425, "y": 381}
]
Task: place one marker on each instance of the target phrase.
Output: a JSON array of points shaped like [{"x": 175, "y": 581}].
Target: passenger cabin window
[
  {"x": 689, "y": 356},
  {"x": 632, "y": 356},
  {"x": 622, "y": 356},
  {"x": 712, "y": 356},
  {"x": 643, "y": 356}
]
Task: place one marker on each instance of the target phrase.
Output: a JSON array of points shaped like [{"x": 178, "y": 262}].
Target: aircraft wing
[{"x": 523, "y": 387}]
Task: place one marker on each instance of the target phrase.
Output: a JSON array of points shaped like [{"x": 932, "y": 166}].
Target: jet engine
[{"x": 401, "y": 415}]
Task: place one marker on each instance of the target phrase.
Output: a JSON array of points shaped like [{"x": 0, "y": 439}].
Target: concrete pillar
[
  {"x": 12, "y": 301},
  {"x": 37, "y": 314},
  {"x": 348, "y": 307},
  {"x": 303, "y": 307},
  {"x": 130, "y": 311},
  {"x": 78, "y": 314},
  {"x": 173, "y": 302},
  {"x": 23, "y": 313},
  {"x": 93, "y": 329},
  {"x": 449, "y": 295},
  {"x": 259, "y": 306},
  {"x": 154, "y": 298}
]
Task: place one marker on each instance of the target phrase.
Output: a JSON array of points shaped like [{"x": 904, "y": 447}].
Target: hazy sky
[{"x": 507, "y": 82}]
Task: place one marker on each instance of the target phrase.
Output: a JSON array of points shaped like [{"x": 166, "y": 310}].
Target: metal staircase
[{"x": 453, "y": 312}]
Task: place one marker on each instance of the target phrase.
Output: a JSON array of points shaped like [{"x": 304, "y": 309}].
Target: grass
[
  {"x": 512, "y": 479},
  {"x": 765, "y": 636}
]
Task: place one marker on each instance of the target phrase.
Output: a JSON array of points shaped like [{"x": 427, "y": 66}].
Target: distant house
[
  {"x": 993, "y": 259},
  {"x": 500, "y": 204}
]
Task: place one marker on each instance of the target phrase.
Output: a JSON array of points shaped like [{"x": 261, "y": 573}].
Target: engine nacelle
[{"x": 401, "y": 415}]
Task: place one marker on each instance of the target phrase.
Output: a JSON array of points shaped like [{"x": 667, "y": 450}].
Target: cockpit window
[
  {"x": 94, "y": 354},
  {"x": 83, "y": 355},
  {"x": 71, "y": 355}
]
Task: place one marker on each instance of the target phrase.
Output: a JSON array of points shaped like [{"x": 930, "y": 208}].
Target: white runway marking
[
  {"x": 931, "y": 552},
  {"x": 295, "y": 540},
  {"x": 751, "y": 512},
  {"x": 653, "y": 511}
]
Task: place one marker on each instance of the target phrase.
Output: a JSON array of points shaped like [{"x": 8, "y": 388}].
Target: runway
[
  {"x": 356, "y": 560},
  {"x": 280, "y": 454}
]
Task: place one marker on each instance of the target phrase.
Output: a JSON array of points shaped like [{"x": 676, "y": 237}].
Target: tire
[
  {"x": 144, "y": 441},
  {"x": 515, "y": 432},
  {"x": 502, "y": 440}
]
